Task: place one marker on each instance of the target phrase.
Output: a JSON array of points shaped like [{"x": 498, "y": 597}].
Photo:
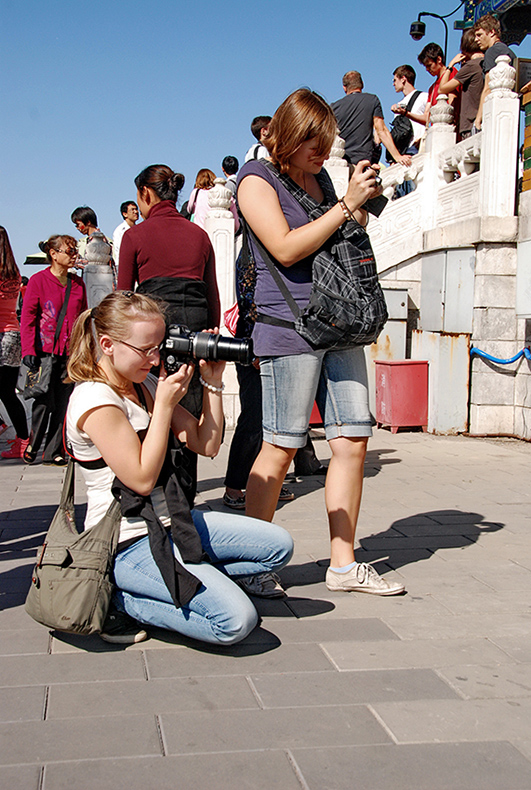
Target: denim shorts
[{"x": 337, "y": 380}]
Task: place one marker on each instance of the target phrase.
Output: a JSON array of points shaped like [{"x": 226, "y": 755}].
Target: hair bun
[
  {"x": 43, "y": 246},
  {"x": 177, "y": 181}
]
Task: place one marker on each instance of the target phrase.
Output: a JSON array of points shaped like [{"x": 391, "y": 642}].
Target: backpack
[
  {"x": 347, "y": 306},
  {"x": 402, "y": 129}
]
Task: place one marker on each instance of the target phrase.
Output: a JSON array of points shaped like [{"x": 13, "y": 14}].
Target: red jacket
[{"x": 40, "y": 310}]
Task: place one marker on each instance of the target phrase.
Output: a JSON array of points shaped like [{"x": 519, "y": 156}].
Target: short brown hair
[
  {"x": 352, "y": 81},
  {"x": 204, "y": 179},
  {"x": 406, "y": 71},
  {"x": 487, "y": 23},
  {"x": 300, "y": 117},
  {"x": 468, "y": 42}
]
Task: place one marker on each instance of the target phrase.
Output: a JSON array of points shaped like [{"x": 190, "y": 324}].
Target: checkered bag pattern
[{"x": 347, "y": 306}]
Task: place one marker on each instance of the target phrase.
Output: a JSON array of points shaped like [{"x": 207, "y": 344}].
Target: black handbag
[
  {"x": 402, "y": 130},
  {"x": 71, "y": 585},
  {"x": 38, "y": 381}
]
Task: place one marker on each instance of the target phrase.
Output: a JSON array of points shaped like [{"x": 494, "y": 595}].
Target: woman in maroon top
[
  {"x": 171, "y": 258},
  {"x": 43, "y": 300}
]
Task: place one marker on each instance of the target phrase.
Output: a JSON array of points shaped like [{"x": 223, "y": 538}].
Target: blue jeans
[{"x": 220, "y": 612}]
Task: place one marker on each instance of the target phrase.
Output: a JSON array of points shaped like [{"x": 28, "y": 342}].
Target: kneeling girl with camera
[{"x": 175, "y": 568}]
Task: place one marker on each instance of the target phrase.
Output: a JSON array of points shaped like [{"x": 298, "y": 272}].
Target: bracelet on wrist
[
  {"x": 210, "y": 387},
  {"x": 345, "y": 209}
]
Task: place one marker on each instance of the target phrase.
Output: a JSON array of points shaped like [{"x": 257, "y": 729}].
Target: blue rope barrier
[{"x": 525, "y": 352}]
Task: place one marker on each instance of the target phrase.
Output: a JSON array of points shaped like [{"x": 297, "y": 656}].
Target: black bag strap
[
  {"x": 412, "y": 101},
  {"x": 62, "y": 314},
  {"x": 275, "y": 274}
]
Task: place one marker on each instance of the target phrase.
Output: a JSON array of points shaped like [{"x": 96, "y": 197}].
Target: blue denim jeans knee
[
  {"x": 220, "y": 612},
  {"x": 291, "y": 384}
]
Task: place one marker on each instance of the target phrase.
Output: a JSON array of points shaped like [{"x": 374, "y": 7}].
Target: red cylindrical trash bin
[{"x": 402, "y": 393}]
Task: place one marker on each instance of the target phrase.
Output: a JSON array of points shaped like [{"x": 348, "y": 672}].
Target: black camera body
[{"x": 181, "y": 346}]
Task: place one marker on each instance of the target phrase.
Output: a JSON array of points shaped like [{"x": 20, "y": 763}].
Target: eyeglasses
[
  {"x": 69, "y": 252},
  {"x": 147, "y": 352}
]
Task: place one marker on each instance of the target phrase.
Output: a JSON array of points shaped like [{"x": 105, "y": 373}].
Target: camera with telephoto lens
[{"x": 181, "y": 345}]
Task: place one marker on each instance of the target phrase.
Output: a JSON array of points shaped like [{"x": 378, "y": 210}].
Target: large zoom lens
[
  {"x": 182, "y": 345},
  {"x": 215, "y": 347}
]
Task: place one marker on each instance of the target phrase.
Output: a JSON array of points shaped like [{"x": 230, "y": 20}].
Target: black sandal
[{"x": 29, "y": 455}]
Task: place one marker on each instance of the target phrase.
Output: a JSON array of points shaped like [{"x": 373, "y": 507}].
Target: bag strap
[
  {"x": 67, "y": 494},
  {"x": 62, "y": 314},
  {"x": 412, "y": 101},
  {"x": 275, "y": 274}
]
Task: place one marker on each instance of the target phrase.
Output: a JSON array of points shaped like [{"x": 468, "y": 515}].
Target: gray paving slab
[
  {"x": 22, "y": 703},
  {"x": 415, "y": 653},
  {"x": 129, "y": 697},
  {"x": 78, "y": 739},
  {"x": 22, "y": 777},
  {"x": 489, "y": 682},
  {"x": 260, "y": 770},
  {"x": 451, "y": 720},
  {"x": 237, "y": 660},
  {"x": 280, "y": 729},
  {"x": 78, "y": 667},
  {"x": 452, "y": 766},
  {"x": 311, "y": 689}
]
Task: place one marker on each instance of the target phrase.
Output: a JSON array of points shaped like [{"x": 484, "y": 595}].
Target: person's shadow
[{"x": 408, "y": 540}]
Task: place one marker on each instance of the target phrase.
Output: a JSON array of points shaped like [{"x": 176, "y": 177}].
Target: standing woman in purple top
[
  {"x": 43, "y": 300},
  {"x": 293, "y": 374}
]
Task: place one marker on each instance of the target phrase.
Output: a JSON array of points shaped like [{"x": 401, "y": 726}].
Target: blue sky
[{"x": 92, "y": 93}]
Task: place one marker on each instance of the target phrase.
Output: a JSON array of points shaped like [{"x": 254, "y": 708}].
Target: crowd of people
[{"x": 136, "y": 430}]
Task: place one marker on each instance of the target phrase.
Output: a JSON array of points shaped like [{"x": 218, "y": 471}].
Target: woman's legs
[
  {"x": 265, "y": 480},
  {"x": 58, "y": 403},
  {"x": 343, "y": 488},
  {"x": 220, "y": 612},
  {"x": 10, "y": 399}
]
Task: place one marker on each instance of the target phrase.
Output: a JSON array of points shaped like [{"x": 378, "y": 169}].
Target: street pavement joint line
[
  {"x": 492, "y": 640},
  {"x": 460, "y": 693},
  {"x": 329, "y": 657},
  {"x": 160, "y": 734},
  {"x": 143, "y": 662},
  {"x": 45, "y": 703},
  {"x": 382, "y": 723},
  {"x": 50, "y": 643},
  {"x": 254, "y": 691},
  {"x": 40, "y": 783},
  {"x": 297, "y": 771}
]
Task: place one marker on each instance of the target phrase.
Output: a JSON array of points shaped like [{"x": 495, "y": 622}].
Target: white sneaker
[
  {"x": 263, "y": 585},
  {"x": 362, "y": 578}
]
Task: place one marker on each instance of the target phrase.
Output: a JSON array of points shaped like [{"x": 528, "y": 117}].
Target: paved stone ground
[{"x": 426, "y": 691}]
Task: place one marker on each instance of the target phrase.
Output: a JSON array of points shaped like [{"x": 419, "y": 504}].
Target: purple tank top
[{"x": 275, "y": 340}]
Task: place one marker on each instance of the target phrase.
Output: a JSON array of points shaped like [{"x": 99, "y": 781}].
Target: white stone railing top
[{"x": 219, "y": 197}]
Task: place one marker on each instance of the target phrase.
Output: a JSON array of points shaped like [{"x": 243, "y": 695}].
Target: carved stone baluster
[{"x": 499, "y": 152}]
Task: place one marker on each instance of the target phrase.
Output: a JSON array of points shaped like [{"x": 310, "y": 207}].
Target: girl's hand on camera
[
  {"x": 363, "y": 185},
  {"x": 172, "y": 389},
  {"x": 212, "y": 372}
]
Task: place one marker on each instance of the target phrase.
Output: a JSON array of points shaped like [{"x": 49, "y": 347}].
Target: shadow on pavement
[{"x": 407, "y": 540}]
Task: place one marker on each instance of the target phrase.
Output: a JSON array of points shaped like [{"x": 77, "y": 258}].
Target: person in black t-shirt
[
  {"x": 358, "y": 116},
  {"x": 488, "y": 35}
]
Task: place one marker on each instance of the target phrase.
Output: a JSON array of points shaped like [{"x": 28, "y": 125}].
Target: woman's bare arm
[{"x": 259, "y": 204}]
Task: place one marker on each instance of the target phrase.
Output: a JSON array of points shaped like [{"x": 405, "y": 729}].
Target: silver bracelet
[{"x": 211, "y": 387}]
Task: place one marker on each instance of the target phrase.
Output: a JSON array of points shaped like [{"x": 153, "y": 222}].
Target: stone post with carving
[
  {"x": 337, "y": 166},
  {"x": 499, "y": 149},
  {"x": 98, "y": 274},
  {"x": 220, "y": 227},
  {"x": 440, "y": 136}
]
